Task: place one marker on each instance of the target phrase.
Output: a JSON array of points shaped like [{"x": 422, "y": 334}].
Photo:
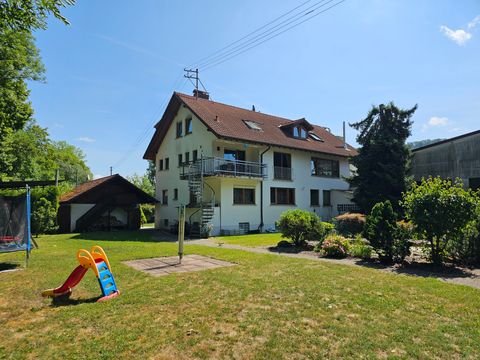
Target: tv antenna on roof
[{"x": 192, "y": 74}]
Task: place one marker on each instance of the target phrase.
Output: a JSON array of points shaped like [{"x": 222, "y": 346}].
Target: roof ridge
[{"x": 236, "y": 107}]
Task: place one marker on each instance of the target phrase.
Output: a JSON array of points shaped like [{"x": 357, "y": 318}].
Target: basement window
[{"x": 253, "y": 125}]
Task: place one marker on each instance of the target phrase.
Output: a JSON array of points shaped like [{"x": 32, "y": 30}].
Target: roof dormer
[{"x": 297, "y": 129}]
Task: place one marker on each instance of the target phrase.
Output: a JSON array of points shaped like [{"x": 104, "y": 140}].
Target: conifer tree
[{"x": 383, "y": 158}]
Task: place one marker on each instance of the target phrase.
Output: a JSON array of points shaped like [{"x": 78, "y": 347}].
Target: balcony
[
  {"x": 282, "y": 173},
  {"x": 222, "y": 167}
]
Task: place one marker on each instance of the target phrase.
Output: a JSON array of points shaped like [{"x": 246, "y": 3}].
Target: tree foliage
[
  {"x": 30, "y": 154},
  {"x": 19, "y": 62},
  {"x": 151, "y": 171},
  {"x": 142, "y": 182},
  {"x": 27, "y": 15},
  {"x": 382, "y": 160},
  {"x": 441, "y": 211}
]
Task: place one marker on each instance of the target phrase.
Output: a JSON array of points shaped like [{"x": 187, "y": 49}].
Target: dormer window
[
  {"x": 299, "y": 132},
  {"x": 253, "y": 125},
  {"x": 297, "y": 129}
]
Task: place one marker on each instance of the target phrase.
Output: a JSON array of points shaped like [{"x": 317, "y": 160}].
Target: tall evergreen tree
[{"x": 383, "y": 158}]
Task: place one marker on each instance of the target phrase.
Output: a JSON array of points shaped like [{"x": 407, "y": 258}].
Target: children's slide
[
  {"x": 97, "y": 260},
  {"x": 75, "y": 277}
]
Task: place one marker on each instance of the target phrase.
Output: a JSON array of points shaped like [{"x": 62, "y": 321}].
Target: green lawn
[
  {"x": 251, "y": 240},
  {"x": 266, "y": 307}
]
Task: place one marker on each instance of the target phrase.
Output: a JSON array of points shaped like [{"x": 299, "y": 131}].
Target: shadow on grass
[
  {"x": 290, "y": 249},
  {"x": 414, "y": 268},
  {"x": 67, "y": 301},
  {"x": 422, "y": 269},
  {"x": 9, "y": 267},
  {"x": 143, "y": 235}
]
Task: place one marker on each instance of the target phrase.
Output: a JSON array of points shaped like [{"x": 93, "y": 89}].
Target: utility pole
[
  {"x": 111, "y": 170},
  {"x": 192, "y": 74}
]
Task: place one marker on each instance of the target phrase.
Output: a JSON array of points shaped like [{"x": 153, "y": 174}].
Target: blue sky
[{"x": 110, "y": 73}]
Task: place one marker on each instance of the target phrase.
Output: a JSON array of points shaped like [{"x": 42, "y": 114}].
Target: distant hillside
[{"x": 416, "y": 144}]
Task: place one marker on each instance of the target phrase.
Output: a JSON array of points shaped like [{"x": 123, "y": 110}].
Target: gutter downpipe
[{"x": 261, "y": 192}]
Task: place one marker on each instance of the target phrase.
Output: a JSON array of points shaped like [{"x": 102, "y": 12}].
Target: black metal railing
[{"x": 282, "y": 173}]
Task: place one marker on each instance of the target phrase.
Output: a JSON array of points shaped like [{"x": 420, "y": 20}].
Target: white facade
[{"x": 227, "y": 215}]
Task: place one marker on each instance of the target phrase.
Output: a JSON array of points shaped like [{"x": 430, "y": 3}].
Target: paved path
[{"x": 461, "y": 276}]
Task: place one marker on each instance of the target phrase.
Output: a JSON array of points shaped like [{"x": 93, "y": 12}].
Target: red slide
[{"x": 75, "y": 277}]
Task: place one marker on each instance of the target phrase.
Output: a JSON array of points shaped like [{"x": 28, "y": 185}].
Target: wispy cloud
[
  {"x": 435, "y": 121},
  {"x": 472, "y": 24},
  {"x": 86, "y": 139},
  {"x": 460, "y": 36},
  {"x": 136, "y": 49}
]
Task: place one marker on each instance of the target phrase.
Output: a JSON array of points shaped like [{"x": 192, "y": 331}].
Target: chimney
[
  {"x": 253, "y": 107},
  {"x": 201, "y": 94},
  {"x": 344, "y": 137}
]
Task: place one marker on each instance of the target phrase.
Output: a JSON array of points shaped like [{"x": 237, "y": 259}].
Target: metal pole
[
  {"x": 28, "y": 225},
  {"x": 181, "y": 231}
]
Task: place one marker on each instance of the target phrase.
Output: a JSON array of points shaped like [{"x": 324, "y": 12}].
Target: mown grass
[
  {"x": 253, "y": 240},
  {"x": 266, "y": 307}
]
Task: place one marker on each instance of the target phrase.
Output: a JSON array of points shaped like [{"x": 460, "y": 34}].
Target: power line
[
  {"x": 264, "y": 33},
  {"x": 253, "y": 45},
  {"x": 247, "y": 35},
  {"x": 237, "y": 48},
  {"x": 141, "y": 138}
]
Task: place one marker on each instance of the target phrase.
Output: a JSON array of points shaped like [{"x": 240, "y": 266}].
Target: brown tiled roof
[
  {"x": 227, "y": 121},
  {"x": 86, "y": 187}
]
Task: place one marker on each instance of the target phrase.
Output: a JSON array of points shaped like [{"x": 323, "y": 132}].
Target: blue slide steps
[{"x": 106, "y": 280}]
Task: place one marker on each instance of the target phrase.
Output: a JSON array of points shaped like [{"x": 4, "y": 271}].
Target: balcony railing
[
  {"x": 222, "y": 167},
  {"x": 282, "y": 173}
]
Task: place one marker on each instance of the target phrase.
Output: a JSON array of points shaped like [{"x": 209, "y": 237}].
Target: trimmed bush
[
  {"x": 335, "y": 246},
  {"x": 388, "y": 239},
  {"x": 300, "y": 226},
  {"x": 441, "y": 211},
  {"x": 349, "y": 224}
]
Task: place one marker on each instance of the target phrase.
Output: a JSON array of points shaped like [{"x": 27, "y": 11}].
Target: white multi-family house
[{"x": 237, "y": 170}]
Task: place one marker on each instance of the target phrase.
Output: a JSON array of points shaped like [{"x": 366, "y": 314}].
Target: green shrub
[
  {"x": 300, "y": 225},
  {"x": 466, "y": 248},
  {"x": 441, "y": 211},
  {"x": 335, "y": 246},
  {"x": 349, "y": 224},
  {"x": 328, "y": 228},
  {"x": 361, "y": 251},
  {"x": 390, "y": 241}
]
